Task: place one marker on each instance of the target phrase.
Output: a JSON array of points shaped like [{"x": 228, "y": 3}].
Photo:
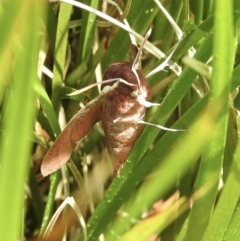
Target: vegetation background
[{"x": 180, "y": 186}]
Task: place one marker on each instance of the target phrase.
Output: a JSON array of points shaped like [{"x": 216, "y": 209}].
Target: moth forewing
[{"x": 61, "y": 150}]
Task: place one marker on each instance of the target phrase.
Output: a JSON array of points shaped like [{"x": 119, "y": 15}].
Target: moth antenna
[
  {"x": 160, "y": 127},
  {"x": 127, "y": 119},
  {"x": 138, "y": 56},
  {"x": 139, "y": 53},
  {"x": 99, "y": 83},
  {"x": 141, "y": 121}
]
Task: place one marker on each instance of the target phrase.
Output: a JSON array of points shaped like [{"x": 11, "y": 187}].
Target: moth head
[{"x": 136, "y": 79}]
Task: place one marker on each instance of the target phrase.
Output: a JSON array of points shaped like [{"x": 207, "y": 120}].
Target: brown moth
[
  {"x": 120, "y": 107},
  {"x": 122, "y": 110}
]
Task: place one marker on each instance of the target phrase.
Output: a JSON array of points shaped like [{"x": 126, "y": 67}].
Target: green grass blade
[
  {"x": 60, "y": 53},
  {"x": 223, "y": 53},
  {"x": 54, "y": 180},
  {"x": 197, "y": 8},
  {"x": 18, "y": 119},
  {"x": 226, "y": 204},
  {"x": 87, "y": 32},
  {"x": 194, "y": 37},
  {"x": 47, "y": 106},
  {"x": 233, "y": 232},
  {"x": 155, "y": 223},
  {"x": 58, "y": 77},
  {"x": 209, "y": 174}
]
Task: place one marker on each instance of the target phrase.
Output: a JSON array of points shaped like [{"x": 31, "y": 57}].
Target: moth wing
[{"x": 61, "y": 150}]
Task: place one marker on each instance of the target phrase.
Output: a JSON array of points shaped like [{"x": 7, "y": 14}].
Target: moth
[{"x": 120, "y": 107}]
